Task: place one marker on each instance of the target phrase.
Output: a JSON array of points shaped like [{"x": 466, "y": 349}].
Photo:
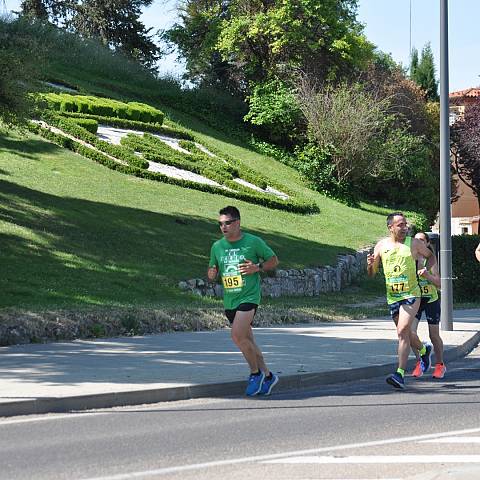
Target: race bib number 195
[{"x": 234, "y": 281}]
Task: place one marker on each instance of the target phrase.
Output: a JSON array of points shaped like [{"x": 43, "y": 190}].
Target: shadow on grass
[
  {"x": 60, "y": 251},
  {"x": 25, "y": 147}
]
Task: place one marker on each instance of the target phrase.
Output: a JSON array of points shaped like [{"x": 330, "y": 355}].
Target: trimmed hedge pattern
[
  {"x": 107, "y": 107},
  {"x": 99, "y": 157},
  {"x": 133, "y": 125},
  {"x": 88, "y": 124},
  {"x": 69, "y": 126}
]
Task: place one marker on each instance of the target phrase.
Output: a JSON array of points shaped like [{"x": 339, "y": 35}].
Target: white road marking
[
  {"x": 374, "y": 459},
  {"x": 454, "y": 440},
  {"x": 264, "y": 458}
]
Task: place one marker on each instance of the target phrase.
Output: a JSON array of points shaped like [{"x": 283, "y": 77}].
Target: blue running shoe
[
  {"x": 427, "y": 358},
  {"x": 396, "y": 380},
  {"x": 254, "y": 384},
  {"x": 268, "y": 384}
]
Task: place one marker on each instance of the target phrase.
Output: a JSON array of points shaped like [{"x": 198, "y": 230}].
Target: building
[{"x": 465, "y": 211}]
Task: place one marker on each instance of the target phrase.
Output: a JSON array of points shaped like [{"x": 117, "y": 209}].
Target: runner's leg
[
  {"x": 243, "y": 338},
  {"x": 404, "y": 322},
  {"x": 260, "y": 360},
  {"x": 434, "y": 332}
]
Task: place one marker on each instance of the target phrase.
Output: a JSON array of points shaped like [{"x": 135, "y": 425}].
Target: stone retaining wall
[{"x": 308, "y": 282}]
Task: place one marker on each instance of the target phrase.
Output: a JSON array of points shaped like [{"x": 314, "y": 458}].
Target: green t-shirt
[{"x": 227, "y": 256}]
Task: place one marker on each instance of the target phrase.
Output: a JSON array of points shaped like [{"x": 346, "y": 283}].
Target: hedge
[
  {"x": 106, "y": 107},
  {"x": 133, "y": 125},
  {"x": 99, "y": 157},
  {"x": 88, "y": 124},
  {"x": 465, "y": 268},
  {"x": 69, "y": 126},
  {"x": 236, "y": 167}
]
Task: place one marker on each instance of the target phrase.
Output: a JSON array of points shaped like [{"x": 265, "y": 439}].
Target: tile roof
[{"x": 469, "y": 92}]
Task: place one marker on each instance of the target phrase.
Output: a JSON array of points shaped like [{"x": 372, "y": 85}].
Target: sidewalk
[{"x": 59, "y": 377}]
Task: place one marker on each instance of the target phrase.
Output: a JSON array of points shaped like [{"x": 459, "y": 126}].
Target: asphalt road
[{"x": 362, "y": 430}]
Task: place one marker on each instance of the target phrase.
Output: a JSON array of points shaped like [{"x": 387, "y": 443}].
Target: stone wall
[{"x": 308, "y": 282}]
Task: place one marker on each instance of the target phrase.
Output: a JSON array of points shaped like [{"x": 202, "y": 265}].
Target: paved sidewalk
[{"x": 102, "y": 373}]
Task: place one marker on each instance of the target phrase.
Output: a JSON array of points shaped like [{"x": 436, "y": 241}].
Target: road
[{"x": 358, "y": 430}]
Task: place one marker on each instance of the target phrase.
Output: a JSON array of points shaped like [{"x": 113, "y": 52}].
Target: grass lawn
[{"x": 75, "y": 233}]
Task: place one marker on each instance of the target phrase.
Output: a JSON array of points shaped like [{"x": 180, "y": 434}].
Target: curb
[{"x": 288, "y": 383}]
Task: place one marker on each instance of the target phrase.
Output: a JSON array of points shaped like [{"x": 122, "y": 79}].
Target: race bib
[
  {"x": 426, "y": 289},
  {"x": 398, "y": 285},
  {"x": 232, "y": 281}
]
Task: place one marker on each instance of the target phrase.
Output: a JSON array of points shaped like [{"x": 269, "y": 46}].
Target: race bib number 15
[{"x": 234, "y": 281}]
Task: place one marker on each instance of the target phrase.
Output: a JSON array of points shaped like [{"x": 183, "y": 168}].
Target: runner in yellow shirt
[
  {"x": 397, "y": 254},
  {"x": 429, "y": 281}
]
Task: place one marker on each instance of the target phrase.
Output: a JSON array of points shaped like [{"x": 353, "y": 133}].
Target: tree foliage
[
  {"x": 274, "y": 107},
  {"x": 368, "y": 146},
  {"x": 465, "y": 148},
  {"x": 244, "y": 42},
  {"x": 116, "y": 23},
  {"x": 21, "y": 55},
  {"x": 422, "y": 72}
]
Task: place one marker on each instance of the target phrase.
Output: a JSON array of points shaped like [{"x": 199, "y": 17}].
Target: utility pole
[
  {"x": 410, "y": 32},
  {"x": 445, "y": 185}
]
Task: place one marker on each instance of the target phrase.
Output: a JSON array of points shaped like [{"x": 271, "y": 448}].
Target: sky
[{"x": 387, "y": 25}]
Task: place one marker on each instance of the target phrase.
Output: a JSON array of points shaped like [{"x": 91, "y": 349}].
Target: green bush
[
  {"x": 87, "y": 124},
  {"x": 134, "y": 125},
  {"x": 105, "y": 107},
  {"x": 465, "y": 268},
  {"x": 274, "y": 107},
  {"x": 315, "y": 164}
]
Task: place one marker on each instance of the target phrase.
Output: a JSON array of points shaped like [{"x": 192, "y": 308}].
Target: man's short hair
[
  {"x": 233, "y": 212},
  {"x": 392, "y": 215}
]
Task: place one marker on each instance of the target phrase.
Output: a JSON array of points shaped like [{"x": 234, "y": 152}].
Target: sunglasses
[{"x": 227, "y": 222}]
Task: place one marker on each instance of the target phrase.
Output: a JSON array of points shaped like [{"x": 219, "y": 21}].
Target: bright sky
[{"x": 387, "y": 25}]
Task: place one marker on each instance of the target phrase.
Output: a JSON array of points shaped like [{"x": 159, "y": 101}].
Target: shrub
[
  {"x": 102, "y": 107},
  {"x": 274, "y": 107},
  {"x": 87, "y": 124},
  {"x": 134, "y": 125},
  {"x": 316, "y": 165},
  {"x": 465, "y": 268}
]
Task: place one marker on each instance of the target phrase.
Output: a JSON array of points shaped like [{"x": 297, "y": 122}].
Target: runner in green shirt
[
  {"x": 397, "y": 254},
  {"x": 238, "y": 258}
]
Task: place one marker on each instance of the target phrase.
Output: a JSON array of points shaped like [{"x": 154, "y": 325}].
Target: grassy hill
[{"x": 75, "y": 234}]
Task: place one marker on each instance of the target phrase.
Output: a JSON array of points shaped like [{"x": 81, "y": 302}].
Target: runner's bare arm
[
  {"x": 432, "y": 276},
  {"x": 420, "y": 249},
  {"x": 373, "y": 261},
  {"x": 477, "y": 252},
  {"x": 248, "y": 267},
  {"x": 212, "y": 273}
]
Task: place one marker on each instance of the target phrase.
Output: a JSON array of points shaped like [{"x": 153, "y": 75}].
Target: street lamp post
[{"x": 445, "y": 185}]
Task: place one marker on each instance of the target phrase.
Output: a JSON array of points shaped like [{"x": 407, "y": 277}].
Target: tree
[
  {"x": 245, "y": 42},
  {"x": 465, "y": 148},
  {"x": 21, "y": 56},
  {"x": 195, "y": 38},
  {"x": 424, "y": 74},
  {"x": 116, "y": 23}
]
